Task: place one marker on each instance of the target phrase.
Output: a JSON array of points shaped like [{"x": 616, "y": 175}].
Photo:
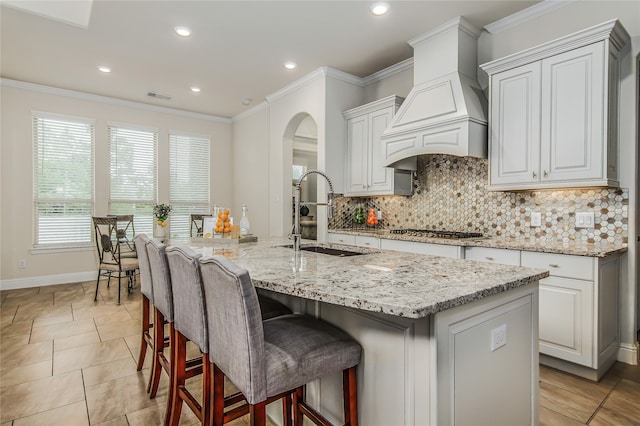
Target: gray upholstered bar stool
[
  {"x": 190, "y": 323},
  {"x": 272, "y": 359},
  {"x": 146, "y": 289}
]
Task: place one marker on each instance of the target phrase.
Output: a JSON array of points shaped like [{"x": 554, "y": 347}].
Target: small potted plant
[{"x": 161, "y": 212}]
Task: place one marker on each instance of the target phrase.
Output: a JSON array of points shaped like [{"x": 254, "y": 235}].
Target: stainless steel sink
[{"x": 331, "y": 251}]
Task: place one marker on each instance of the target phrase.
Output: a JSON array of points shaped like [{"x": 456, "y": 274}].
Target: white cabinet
[
  {"x": 444, "y": 250},
  {"x": 493, "y": 255},
  {"x": 346, "y": 239},
  {"x": 365, "y": 173},
  {"x": 578, "y": 311},
  {"x": 366, "y": 241},
  {"x": 553, "y": 112}
]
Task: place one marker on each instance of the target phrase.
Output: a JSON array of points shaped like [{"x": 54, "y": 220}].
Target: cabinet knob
[
  {"x": 545, "y": 174},
  {"x": 553, "y": 265},
  {"x": 533, "y": 175}
]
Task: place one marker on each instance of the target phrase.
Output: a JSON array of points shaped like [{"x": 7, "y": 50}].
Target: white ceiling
[{"x": 237, "y": 49}]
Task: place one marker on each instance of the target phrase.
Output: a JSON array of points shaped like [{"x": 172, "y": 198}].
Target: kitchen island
[{"x": 445, "y": 341}]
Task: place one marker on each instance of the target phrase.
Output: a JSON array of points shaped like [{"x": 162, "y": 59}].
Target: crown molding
[
  {"x": 388, "y": 72},
  {"x": 110, "y": 101},
  {"x": 518, "y": 18},
  {"x": 456, "y": 23},
  {"x": 301, "y": 82},
  {"x": 251, "y": 111}
]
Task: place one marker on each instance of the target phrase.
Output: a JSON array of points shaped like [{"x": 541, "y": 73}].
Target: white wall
[
  {"x": 563, "y": 21},
  {"x": 250, "y": 181},
  {"x": 16, "y": 209}
]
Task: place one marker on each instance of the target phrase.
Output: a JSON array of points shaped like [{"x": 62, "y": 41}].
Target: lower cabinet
[
  {"x": 347, "y": 239},
  {"x": 454, "y": 252},
  {"x": 578, "y": 311}
]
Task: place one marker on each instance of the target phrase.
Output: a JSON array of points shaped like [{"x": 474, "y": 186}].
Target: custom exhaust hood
[{"x": 445, "y": 111}]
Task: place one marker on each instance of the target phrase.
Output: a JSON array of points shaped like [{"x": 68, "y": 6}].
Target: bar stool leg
[
  {"x": 286, "y": 410},
  {"x": 146, "y": 326},
  {"x": 258, "y": 414},
  {"x": 207, "y": 376},
  {"x": 217, "y": 395},
  {"x": 180, "y": 366},
  {"x": 158, "y": 348},
  {"x": 349, "y": 387},
  {"x": 298, "y": 398}
]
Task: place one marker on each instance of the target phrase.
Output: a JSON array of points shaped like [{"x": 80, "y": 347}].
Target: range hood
[{"x": 445, "y": 111}]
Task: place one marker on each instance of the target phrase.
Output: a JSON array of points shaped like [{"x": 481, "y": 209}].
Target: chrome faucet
[{"x": 296, "y": 234}]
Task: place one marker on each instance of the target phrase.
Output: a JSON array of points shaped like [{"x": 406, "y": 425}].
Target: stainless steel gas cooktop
[{"x": 436, "y": 233}]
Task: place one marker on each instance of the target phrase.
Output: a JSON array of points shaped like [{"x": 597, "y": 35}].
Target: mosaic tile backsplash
[{"x": 451, "y": 194}]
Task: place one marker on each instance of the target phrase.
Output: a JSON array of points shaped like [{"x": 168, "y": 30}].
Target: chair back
[
  {"x": 235, "y": 328},
  {"x": 146, "y": 287},
  {"x": 160, "y": 278},
  {"x": 197, "y": 223},
  {"x": 190, "y": 316},
  {"x": 106, "y": 240},
  {"x": 125, "y": 232}
]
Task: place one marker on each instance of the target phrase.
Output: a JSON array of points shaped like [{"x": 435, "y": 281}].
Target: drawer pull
[
  {"x": 489, "y": 258},
  {"x": 553, "y": 265}
]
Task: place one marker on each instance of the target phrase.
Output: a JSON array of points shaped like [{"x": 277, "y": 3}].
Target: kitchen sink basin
[{"x": 327, "y": 250}]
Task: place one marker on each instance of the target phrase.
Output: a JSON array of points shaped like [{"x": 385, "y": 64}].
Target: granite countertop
[
  {"x": 395, "y": 283},
  {"x": 601, "y": 249}
]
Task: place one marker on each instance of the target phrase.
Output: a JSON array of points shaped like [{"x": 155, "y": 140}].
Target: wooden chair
[
  {"x": 197, "y": 222},
  {"x": 109, "y": 255},
  {"x": 293, "y": 349},
  {"x": 146, "y": 288},
  {"x": 191, "y": 324}
]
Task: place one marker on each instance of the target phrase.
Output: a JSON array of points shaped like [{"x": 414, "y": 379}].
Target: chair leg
[
  {"x": 207, "y": 376},
  {"x": 287, "y": 420},
  {"x": 350, "y": 390},
  {"x": 146, "y": 326},
  {"x": 172, "y": 373},
  {"x": 217, "y": 396},
  {"x": 158, "y": 347},
  {"x": 258, "y": 414},
  {"x": 97, "y": 285},
  {"x": 119, "y": 281},
  {"x": 179, "y": 379},
  {"x": 298, "y": 398}
]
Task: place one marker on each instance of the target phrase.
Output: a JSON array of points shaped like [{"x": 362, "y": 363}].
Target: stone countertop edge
[
  {"x": 395, "y": 283},
  {"x": 557, "y": 247}
]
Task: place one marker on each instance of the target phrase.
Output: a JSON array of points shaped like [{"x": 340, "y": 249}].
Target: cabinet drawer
[
  {"x": 493, "y": 255},
  {"x": 341, "y": 239},
  {"x": 422, "y": 248},
  {"x": 363, "y": 241},
  {"x": 560, "y": 265}
]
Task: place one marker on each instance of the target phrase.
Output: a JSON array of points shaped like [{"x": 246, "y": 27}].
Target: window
[
  {"x": 133, "y": 174},
  {"x": 63, "y": 180},
  {"x": 189, "y": 188}
]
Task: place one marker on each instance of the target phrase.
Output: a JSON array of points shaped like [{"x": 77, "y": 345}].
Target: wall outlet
[
  {"x": 536, "y": 219},
  {"x": 22, "y": 263},
  {"x": 498, "y": 337},
  {"x": 585, "y": 220}
]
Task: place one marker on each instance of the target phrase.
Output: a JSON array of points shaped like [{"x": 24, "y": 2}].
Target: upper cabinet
[
  {"x": 365, "y": 173},
  {"x": 553, "y": 112}
]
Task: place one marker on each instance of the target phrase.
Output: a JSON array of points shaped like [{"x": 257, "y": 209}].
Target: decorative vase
[{"x": 160, "y": 232}]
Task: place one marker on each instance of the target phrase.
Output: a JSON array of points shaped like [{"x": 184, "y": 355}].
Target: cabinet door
[
  {"x": 357, "y": 145},
  {"x": 573, "y": 138},
  {"x": 566, "y": 319},
  {"x": 515, "y": 126},
  {"x": 380, "y": 178}
]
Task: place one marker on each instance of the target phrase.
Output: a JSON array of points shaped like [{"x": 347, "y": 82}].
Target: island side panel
[{"x": 478, "y": 385}]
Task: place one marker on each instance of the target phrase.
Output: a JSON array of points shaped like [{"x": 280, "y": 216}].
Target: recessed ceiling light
[
  {"x": 182, "y": 31},
  {"x": 102, "y": 68},
  {"x": 290, "y": 65},
  {"x": 195, "y": 89},
  {"x": 379, "y": 8}
]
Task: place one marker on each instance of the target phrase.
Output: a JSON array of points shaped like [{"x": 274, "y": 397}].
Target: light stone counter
[
  {"x": 578, "y": 248},
  {"x": 395, "y": 283}
]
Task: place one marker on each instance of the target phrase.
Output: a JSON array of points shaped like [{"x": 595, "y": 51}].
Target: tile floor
[{"x": 67, "y": 360}]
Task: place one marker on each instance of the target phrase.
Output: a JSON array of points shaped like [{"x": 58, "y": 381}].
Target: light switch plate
[
  {"x": 585, "y": 220},
  {"x": 536, "y": 219}
]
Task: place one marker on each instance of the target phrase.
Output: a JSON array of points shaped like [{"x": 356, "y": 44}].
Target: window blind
[
  {"x": 133, "y": 175},
  {"x": 189, "y": 159},
  {"x": 63, "y": 180}
]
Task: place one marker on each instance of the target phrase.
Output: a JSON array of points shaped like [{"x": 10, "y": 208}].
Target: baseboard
[
  {"x": 47, "y": 280},
  {"x": 629, "y": 353}
]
